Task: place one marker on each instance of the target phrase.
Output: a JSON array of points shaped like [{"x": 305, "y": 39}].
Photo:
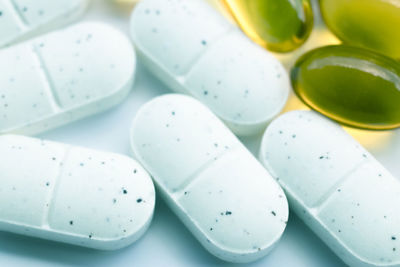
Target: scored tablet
[
  {"x": 339, "y": 189},
  {"x": 194, "y": 50},
  {"x": 21, "y": 19},
  {"x": 72, "y": 194},
  {"x": 215, "y": 186},
  {"x": 64, "y": 76}
]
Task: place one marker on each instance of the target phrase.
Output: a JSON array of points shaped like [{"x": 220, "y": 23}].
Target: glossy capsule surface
[
  {"x": 278, "y": 25},
  {"x": 353, "y": 86},
  {"x": 373, "y": 24}
]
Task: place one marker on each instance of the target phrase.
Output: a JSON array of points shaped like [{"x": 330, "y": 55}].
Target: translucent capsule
[
  {"x": 125, "y": 3},
  {"x": 353, "y": 86},
  {"x": 373, "y": 24},
  {"x": 278, "y": 25}
]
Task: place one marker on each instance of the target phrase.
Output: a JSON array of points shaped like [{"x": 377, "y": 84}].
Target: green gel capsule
[
  {"x": 373, "y": 24},
  {"x": 277, "y": 25},
  {"x": 354, "y": 86}
]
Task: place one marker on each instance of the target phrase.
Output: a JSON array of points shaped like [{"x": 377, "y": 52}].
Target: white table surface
[{"x": 168, "y": 242}]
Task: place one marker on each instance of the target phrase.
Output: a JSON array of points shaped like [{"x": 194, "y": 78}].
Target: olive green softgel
[
  {"x": 277, "y": 25},
  {"x": 373, "y": 24},
  {"x": 354, "y": 86}
]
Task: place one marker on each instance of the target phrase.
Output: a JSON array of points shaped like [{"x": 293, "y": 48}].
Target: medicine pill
[
  {"x": 223, "y": 195},
  {"x": 278, "y": 25},
  {"x": 21, "y": 19},
  {"x": 372, "y": 24},
  {"x": 351, "y": 85},
  {"x": 194, "y": 50},
  {"x": 339, "y": 189},
  {"x": 63, "y": 76},
  {"x": 71, "y": 194}
]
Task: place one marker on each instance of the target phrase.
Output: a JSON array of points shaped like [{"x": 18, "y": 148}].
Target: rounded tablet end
[
  {"x": 261, "y": 248},
  {"x": 111, "y": 204},
  {"x": 135, "y": 217}
]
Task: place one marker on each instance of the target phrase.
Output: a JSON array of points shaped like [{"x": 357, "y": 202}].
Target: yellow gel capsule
[
  {"x": 354, "y": 86},
  {"x": 277, "y": 25},
  {"x": 126, "y": 3},
  {"x": 373, "y": 24}
]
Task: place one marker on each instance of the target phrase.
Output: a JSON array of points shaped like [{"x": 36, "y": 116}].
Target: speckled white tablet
[
  {"x": 194, "y": 50},
  {"x": 21, "y": 19},
  {"x": 72, "y": 194},
  {"x": 340, "y": 191},
  {"x": 209, "y": 179},
  {"x": 64, "y": 76}
]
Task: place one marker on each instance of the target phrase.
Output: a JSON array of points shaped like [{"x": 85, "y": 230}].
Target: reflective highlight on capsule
[
  {"x": 372, "y": 24},
  {"x": 353, "y": 86},
  {"x": 262, "y": 21}
]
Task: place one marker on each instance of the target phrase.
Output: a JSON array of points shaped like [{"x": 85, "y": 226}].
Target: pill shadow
[
  {"x": 391, "y": 154},
  {"x": 166, "y": 228},
  {"x": 168, "y": 240},
  {"x": 309, "y": 250},
  {"x": 48, "y": 251}
]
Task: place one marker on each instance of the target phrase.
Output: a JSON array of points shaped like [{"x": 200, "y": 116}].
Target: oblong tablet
[
  {"x": 72, "y": 194},
  {"x": 21, "y": 19},
  {"x": 340, "y": 191},
  {"x": 209, "y": 179},
  {"x": 194, "y": 50},
  {"x": 63, "y": 76}
]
